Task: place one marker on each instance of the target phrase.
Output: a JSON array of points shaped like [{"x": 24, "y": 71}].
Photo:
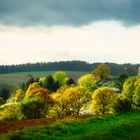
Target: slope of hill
[
  {"x": 20, "y": 77},
  {"x": 120, "y": 127}
]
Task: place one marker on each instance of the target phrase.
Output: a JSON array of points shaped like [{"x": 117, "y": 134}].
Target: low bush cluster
[{"x": 60, "y": 96}]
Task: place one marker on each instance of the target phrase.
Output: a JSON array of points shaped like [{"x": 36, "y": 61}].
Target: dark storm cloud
[{"x": 68, "y": 12}]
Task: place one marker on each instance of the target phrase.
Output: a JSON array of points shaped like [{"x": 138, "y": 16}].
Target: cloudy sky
[{"x": 55, "y": 30}]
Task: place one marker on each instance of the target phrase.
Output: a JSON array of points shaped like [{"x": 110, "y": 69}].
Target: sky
[{"x": 59, "y": 30}]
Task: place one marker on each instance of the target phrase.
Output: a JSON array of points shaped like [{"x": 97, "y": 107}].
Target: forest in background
[{"x": 116, "y": 69}]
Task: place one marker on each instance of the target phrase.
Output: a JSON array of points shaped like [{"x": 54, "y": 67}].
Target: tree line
[
  {"x": 57, "y": 96},
  {"x": 116, "y": 69}
]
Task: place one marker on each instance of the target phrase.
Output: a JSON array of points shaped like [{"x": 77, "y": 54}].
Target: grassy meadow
[{"x": 119, "y": 127}]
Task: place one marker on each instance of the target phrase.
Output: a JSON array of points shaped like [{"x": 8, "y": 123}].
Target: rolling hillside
[
  {"x": 120, "y": 127},
  {"x": 19, "y": 77}
]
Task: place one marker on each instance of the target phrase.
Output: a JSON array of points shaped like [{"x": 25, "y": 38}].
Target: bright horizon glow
[{"x": 104, "y": 41}]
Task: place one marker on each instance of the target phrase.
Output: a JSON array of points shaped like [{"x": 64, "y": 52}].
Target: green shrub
[
  {"x": 35, "y": 107},
  {"x": 11, "y": 112},
  {"x": 121, "y": 105},
  {"x": 131, "y": 91},
  {"x": 2, "y": 101},
  {"x": 128, "y": 88},
  {"x": 136, "y": 98},
  {"x": 102, "y": 99}
]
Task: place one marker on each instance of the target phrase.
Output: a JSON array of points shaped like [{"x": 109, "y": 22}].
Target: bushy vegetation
[
  {"x": 35, "y": 107},
  {"x": 102, "y": 99},
  {"x": 11, "y": 112},
  {"x": 68, "y": 101},
  {"x": 57, "y": 95}
]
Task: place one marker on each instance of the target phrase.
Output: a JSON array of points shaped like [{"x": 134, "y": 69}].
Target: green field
[
  {"x": 120, "y": 127},
  {"x": 14, "y": 78}
]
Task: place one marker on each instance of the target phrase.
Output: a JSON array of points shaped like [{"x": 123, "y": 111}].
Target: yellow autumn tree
[
  {"x": 68, "y": 101},
  {"x": 43, "y": 80},
  {"x": 61, "y": 77},
  {"x": 130, "y": 87},
  {"x": 37, "y": 102},
  {"x": 35, "y": 88},
  {"x": 102, "y": 72},
  {"x": 18, "y": 94},
  {"x": 88, "y": 82},
  {"x": 11, "y": 112},
  {"x": 102, "y": 99},
  {"x": 136, "y": 96},
  {"x": 77, "y": 99},
  {"x": 61, "y": 103}
]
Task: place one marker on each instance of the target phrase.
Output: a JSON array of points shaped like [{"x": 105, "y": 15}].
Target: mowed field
[{"x": 14, "y": 78}]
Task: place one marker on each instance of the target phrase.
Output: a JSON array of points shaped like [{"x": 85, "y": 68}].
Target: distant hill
[{"x": 116, "y": 69}]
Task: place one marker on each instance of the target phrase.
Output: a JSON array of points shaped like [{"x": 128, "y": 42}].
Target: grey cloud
[{"x": 68, "y": 12}]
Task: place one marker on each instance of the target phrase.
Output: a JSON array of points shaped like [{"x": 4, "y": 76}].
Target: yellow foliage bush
[
  {"x": 18, "y": 93},
  {"x": 87, "y": 81},
  {"x": 68, "y": 101},
  {"x": 102, "y": 72},
  {"x": 102, "y": 99},
  {"x": 36, "y": 89},
  {"x": 11, "y": 112}
]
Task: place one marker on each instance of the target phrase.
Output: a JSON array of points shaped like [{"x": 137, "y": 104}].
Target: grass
[
  {"x": 19, "y": 77},
  {"x": 120, "y": 127},
  {"x": 10, "y": 82}
]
